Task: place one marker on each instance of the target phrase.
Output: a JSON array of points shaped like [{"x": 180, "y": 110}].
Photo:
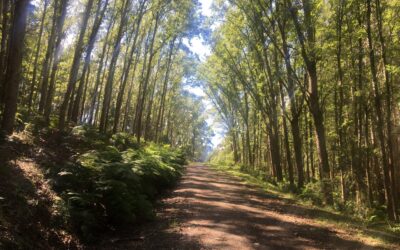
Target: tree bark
[
  {"x": 73, "y": 75},
  {"x": 110, "y": 79},
  {"x": 57, "y": 56},
  {"x": 14, "y": 64},
  {"x": 310, "y": 60},
  {"x": 380, "y": 120},
  {"x": 146, "y": 81},
  {"x": 48, "y": 58},
  {"x": 3, "y": 49},
  {"x": 92, "y": 39},
  {"x": 37, "y": 52},
  {"x": 121, "y": 91},
  {"x": 160, "y": 116},
  {"x": 98, "y": 75}
]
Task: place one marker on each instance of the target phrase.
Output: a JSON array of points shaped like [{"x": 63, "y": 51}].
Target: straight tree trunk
[
  {"x": 5, "y": 31},
  {"x": 57, "y": 57},
  {"x": 110, "y": 79},
  {"x": 294, "y": 122},
  {"x": 129, "y": 100},
  {"x": 73, "y": 75},
  {"x": 380, "y": 120},
  {"x": 90, "y": 46},
  {"x": 99, "y": 74},
  {"x": 147, "y": 128},
  {"x": 48, "y": 58},
  {"x": 286, "y": 141},
  {"x": 146, "y": 80},
  {"x": 121, "y": 91},
  {"x": 14, "y": 64},
  {"x": 339, "y": 99},
  {"x": 86, "y": 83},
  {"x": 37, "y": 52},
  {"x": 160, "y": 115},
  {"x": 310, "y": 61},
  {"x": 388, "y": 98}
]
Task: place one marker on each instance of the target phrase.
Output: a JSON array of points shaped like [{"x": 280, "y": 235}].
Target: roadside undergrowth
[
  {"x": 67, "y": 190},
  {"x": 384, "y": 233}
]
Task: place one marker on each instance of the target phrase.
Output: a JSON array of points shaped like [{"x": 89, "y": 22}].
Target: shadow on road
[{"x": 211, "y": 210}]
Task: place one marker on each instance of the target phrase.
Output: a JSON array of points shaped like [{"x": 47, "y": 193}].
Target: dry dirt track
[{"x": 211, "y": 210}]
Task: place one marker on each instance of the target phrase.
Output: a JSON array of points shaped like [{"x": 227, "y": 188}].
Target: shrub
[
  {"x": 115, "y": 185},
  {"x": 312, "y": 192},
  {"x": 376, "y": 215},
  {"x": 123, "y": 141},
  {"x": 85, "y": 214}
]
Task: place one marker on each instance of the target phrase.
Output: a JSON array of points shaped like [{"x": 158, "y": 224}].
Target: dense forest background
[
  {"x": 308, "y": 91},
  {"x": 116, "y": 65}
]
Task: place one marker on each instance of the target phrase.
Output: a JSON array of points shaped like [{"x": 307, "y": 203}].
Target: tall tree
[
  {"x": 306, "y": 37},
  {"x": 14, "y": 63},
  {"x": 75, "y": 63},
  {"x": 116, "y": 50}
]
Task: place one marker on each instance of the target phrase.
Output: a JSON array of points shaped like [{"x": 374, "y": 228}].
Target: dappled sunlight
[
  {"x": 220, "y": 212},
  {"x": 199, "y": 124}
]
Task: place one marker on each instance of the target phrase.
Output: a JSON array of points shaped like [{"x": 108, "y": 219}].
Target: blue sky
[{"x": 199, "y": 47}]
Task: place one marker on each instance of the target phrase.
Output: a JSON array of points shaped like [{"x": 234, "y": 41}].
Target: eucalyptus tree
[
  {"x": 335, "y": 57},
  {"x": 13, "y": 73},
  {"x": 94, "y": 62}
]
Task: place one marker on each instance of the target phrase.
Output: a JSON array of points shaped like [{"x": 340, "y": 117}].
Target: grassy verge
[{"x": 383, "y": 233}]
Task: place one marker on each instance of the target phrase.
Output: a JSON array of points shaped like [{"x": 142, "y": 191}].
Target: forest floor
[
  {"x": 29, "y": 215},
  {"x": 210, "y": 209}
]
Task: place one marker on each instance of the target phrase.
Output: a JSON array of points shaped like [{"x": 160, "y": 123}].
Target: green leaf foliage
[{"x": 112, "y": 187}]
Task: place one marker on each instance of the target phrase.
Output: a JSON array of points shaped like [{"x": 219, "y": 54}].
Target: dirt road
[{"x": 211, "y": 210}]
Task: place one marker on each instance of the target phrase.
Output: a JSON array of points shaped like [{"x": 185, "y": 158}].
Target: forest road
[{"x": 213, "y": 210}]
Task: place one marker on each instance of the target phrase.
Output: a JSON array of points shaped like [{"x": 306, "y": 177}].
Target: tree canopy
[{"x": 308, "y": 92}]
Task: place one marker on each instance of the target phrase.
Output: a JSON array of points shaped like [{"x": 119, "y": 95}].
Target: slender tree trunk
[
  {"x": 294, "y": 122},
  {"x": 57, "y": 57},
  {"x": 48, "y": 57},
  {"x": 141, "y": 82},
  {"x": 121, "y": 91},
  {"x": 310, "y": 60},
  {"x": 160, "y": 115},
  {"x": 86, "y": 83},
  {"x": 37, "y": 52},
  {"x": 129, "y": 100},
  {"x": 147, "y": 128},
  {"x": 146, "y": 80},
  {"x": 99, "y": 74},
  {"x": 311, "y": 147},
  {"x": 90, "y": 47},
  {"x": 338, "y": 100},
  {"x": 73, "y": 75},
  {"x": 380, "y": 120},
  {"x": 110, "y": 79},
  {"x": 249, "y": 162},
  {"x": 388, "y": 98},
  {"x": 286, "y": 141}
]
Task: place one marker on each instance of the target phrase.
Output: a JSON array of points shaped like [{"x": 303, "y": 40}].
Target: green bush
[
  {"x": 312, "y": 192},
  {"x": 377, "y": 214},
  {"x": 115, "y": 185},
  {"x": 123, "y": 141},
  {"x": 85, "y": 214}
]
